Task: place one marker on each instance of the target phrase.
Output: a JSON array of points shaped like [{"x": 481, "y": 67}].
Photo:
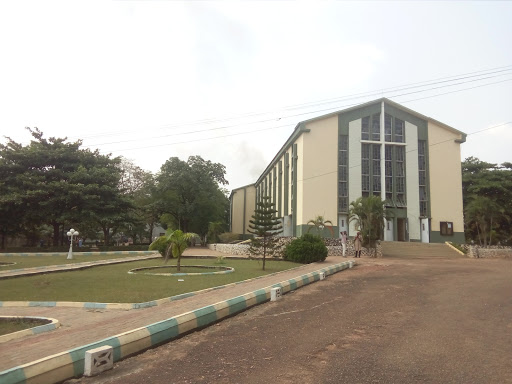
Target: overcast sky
[{"x": 229, "y": 81}]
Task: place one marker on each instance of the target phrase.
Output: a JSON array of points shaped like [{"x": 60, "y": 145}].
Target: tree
[
  {"x": 55, "y": 182},
  {"x": 487, "y": 193},
  {"x": 265, "y": 226},
  {"x": 173, "y": 244},
  {"x": 191, "y": 193},
  {"x": 319, "y": 224},
  {"x": 369, "y": 214}
]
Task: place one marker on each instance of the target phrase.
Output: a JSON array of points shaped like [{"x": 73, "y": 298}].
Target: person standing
[
  {"x": 344, "y": 242},
  {"x": 357, "y": 244}
]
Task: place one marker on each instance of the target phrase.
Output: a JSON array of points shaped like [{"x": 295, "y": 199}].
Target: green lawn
[
  {"x": 39, "y": 261},
  {"x": 10, "y": 326},
  {"x": 113, "y": 284}
]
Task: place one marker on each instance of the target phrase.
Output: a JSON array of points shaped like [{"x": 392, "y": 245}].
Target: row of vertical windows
[
  {"x": 394, "y": 128},
  {"x": 370, "y": 169},
  {"x": 370, "y": 127},
  {"x": 422, "y": 166},
  {"x": 343, "y": 173}
]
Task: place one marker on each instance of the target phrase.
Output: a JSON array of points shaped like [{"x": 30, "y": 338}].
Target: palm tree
[
  {"x": 319, "y": 223},
  {"x": 173, "y": 244},
  {"x": 369, "y": 214}
]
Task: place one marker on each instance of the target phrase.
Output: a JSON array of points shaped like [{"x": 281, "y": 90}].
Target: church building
[{"x": 381, "y": 148}]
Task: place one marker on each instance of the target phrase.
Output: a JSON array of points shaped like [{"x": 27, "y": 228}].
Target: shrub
[
  {"x": 306, "y": 249},
  {"x": 228, "y": 237}
]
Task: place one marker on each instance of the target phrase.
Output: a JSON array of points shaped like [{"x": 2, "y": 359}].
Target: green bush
[
  {"x": 160, "y": 245},
  {"x": 306, "y": 249}
]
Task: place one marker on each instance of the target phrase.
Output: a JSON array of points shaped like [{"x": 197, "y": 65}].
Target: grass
[
  {"x": 113, "y": 284},
  {"x": 10, "y": 326},
  {"x": 39, "y": 261}
]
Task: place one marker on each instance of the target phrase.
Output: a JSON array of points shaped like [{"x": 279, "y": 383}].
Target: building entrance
[{"x": 400, "y": 229}]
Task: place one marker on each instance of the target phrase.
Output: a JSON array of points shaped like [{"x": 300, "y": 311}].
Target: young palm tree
[
  {"x": 369, "y": 214},
  {"x": 319, "y": 223},
  {"x": 173, "y": 244}
]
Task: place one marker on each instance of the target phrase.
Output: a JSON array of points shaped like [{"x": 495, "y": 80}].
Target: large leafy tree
[
  {"x": 138, "y": 185},
  {"x": 56, "y": 182},
  {"x": 487, "y": 192},
  {"x": 265, "y": 226},
  {"x": 369, "y": 213},
  {"x": 191, "y": 193}
]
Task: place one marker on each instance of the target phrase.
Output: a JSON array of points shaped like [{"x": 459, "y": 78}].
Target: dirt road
[{"x": 385, "y": 321}]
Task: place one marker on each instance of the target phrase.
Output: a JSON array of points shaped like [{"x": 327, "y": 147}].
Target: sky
[{"x": 230, "y": 80}]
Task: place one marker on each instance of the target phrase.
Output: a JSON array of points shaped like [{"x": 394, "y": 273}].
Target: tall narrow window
[
  {"x": 399, "y": 130},
  {"x": 400, "y": 176},
  {"x": 365, "y": 170},
  {"x": 389, "y": 174},
  {"x": 376, "y": 185},
  {"x": 365, "y": 128},
  {"x": 376, "y": 127},
  {"x": 388, "y": 128}
]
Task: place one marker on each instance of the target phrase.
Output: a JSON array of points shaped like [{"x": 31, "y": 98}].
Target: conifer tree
[{"x": 265, "y": 226}]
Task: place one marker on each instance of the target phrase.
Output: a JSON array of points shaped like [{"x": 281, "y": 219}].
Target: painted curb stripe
[{"x": 71, "y": 363}]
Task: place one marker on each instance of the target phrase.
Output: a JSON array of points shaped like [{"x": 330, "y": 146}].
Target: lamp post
[{"x": 71, "y": 233}]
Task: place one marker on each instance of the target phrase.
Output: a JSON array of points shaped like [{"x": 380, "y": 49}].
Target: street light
[{"x": 71, "y": 233}]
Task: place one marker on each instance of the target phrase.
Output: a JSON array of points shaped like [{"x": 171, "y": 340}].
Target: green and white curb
[
  {"x": 102, "y": 253},
  {"x": 53, "y": 324},
  {"x": 65, "y": 365},
  {"x": 11, "y": 273}
]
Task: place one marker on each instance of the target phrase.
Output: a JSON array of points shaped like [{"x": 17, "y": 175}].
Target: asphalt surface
[{"x": 384, "y": 321}]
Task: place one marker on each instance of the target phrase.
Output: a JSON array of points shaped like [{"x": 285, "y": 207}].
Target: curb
[
  {"x": 102, "y": 253},
  {"x": 22, "y": 272},
  {"x": 54, "y": 324},
  {"x": 65, "y": 365},
  {"x": 126, "y": 306},
  {"x": 455, "y": 249}
]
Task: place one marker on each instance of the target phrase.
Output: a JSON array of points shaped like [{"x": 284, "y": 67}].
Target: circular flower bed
[{"x": 208, "y": 270}]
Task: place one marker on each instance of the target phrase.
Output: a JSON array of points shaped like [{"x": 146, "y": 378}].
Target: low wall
[
  {"x": 495, "y": 251},
  {"x": 334, "y": 248}
]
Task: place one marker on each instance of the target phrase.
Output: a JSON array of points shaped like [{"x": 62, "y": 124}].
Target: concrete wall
[
  {"x": 445, "y": 180},
  {"x": 319, "y": 165},
  {"x": 412, "y": 180},
  {"x": 243, "y": 203},
  {"x": 354, "y": 163}
]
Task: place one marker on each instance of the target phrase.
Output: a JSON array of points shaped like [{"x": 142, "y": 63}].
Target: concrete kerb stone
[
  {"x": 53, "y": 324},
  {"x": 70, "y": 364}
]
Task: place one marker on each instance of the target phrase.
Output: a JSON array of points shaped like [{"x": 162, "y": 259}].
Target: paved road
[{"x": 385, "y": 321}]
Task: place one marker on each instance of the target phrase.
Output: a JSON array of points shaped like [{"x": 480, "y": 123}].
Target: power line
[
  {"x": 498, "y": 71},
  {"x": 304, "y": 113}
]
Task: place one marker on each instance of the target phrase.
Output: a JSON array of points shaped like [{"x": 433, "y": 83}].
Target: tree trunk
[
  {"x": 151, "y": 227},
  {"x": 106, "y": 231},
  {"x": 178, "y": 264},
  {"x": 3, "y": 240},
  {"x": 56, "y": 233}
]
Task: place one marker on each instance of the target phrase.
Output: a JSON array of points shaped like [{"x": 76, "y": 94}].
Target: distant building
[{"x": 378, "y": 148}]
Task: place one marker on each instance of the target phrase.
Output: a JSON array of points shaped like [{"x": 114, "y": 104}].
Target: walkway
[{"x": 81, "y": 326}]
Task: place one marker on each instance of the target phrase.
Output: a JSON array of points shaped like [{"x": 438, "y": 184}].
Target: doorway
[{"x": 400, "y": 229}]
